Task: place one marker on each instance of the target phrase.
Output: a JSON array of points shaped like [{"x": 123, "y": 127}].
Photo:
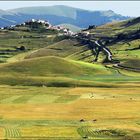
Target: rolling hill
[
  {"x": 59, "y": 14},
  {"x": 66, "y": 58},
  {"x": 63, "y": 49},
  {"x": 52, "y": 65},
  {"x": 122, "y": 38}
]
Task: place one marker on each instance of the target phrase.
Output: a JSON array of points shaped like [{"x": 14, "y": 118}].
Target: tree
[
  {"x": 22, "y": 48},
  {"x": 91, "y": 27}
]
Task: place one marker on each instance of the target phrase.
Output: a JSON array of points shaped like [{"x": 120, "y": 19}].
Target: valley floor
[{"x": 28, "y": 112}]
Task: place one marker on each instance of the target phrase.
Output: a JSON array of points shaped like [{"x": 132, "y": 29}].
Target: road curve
[
  {"x": 93, "y": 43},
  {"x": 105, "y": 49}
]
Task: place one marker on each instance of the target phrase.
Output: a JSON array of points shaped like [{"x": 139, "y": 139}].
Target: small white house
[
  {"x": 41, "y": 21},
  {"x": 33, "y": 20},
  {"x": 86, "y": 33},
  {"x": 23, "y": 24}
]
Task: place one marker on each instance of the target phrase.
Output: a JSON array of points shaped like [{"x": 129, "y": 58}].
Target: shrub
[{"x": 22, "y": 48}]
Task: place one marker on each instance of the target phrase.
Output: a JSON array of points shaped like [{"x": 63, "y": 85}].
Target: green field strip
[
  {"x": 23, "y": 99},
  {"x": 66, "y": 98},
  {"x": 41, "y": 99},
  {"x": 10, "y": 99},
  {"x": 4, "y": 96}
]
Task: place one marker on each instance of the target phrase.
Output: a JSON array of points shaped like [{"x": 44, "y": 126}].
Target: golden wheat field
[{"x": 69, "y": 113}]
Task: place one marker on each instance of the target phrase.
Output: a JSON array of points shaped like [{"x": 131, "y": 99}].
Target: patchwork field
[{"x": 69, "y": 113}]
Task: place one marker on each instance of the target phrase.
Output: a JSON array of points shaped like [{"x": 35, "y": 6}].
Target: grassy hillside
[
  {"x": 132, "y": 63},
  {"x": 122, "y": 38},
  {"x": 61, "y": 49},
  {"x": 67, "y": 48},
  {"x": 56, "y": 71},
  {"x": 115, "y": 28},
  {"x": 52, "y": 65},
  {"x": 52, "y": 71},
  {"x": 11, "y": 41}
]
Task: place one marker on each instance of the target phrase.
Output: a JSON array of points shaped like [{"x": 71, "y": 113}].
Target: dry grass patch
[
  {"x": 49, "y": 131},
  {"x": 82, "y": 108},
  {"x": 1, "y": 133}
]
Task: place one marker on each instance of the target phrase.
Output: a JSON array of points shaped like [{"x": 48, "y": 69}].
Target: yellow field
[
  {"x": 1, "y": 132},
  {"x": 83, "y": 108},
  {"x": 42, "y": 131},
  {"x": 100, "y": 109}
]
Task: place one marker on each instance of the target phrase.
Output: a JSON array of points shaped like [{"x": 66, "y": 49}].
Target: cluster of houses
[
  {"x": 46, "y": 24},
  {"x": 62, "y": 30},
  {"x": 8, "y": 27}
]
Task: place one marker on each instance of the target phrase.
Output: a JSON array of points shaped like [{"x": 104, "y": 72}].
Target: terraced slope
[
  {"x": 122, "y": 38},
  {"x": 63, "y": 48},
  {"x": 11, "y": 41}
]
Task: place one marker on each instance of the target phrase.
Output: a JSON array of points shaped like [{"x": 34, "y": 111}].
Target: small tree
[
  {"x": 91, "y": 27},
  {"x": 22, "y": 48}
]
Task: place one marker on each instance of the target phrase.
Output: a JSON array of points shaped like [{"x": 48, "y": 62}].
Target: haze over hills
[{"x": 59, "y": 14}]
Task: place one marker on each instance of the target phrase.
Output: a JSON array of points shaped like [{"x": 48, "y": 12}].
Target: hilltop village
[
  {"x": 33, "y": 24},
  {"x": 83, "y": 36}
]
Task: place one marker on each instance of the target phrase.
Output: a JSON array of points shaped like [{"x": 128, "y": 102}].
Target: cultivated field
[{"x": 69, "y": 113}]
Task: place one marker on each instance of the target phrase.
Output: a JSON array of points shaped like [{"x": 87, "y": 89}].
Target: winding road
[
  {"x": 93, "y": 44},
  {"x": 108, "y": 52}
]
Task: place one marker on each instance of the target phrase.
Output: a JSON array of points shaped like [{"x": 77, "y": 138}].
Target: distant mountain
[{"x": 59, "y": 15}]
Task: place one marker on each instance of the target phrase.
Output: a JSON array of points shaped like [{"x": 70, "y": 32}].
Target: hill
[
  {"x": 52, "y": 65},
  {"x": 67, "y": 48},
  {"x": 115, "y": 28},
  {"x": 122, "y": 38},
  {"x": 63, "y": 49},
  {"x": 51, "y": 71},
  {"x": 60, "y": 14}
]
